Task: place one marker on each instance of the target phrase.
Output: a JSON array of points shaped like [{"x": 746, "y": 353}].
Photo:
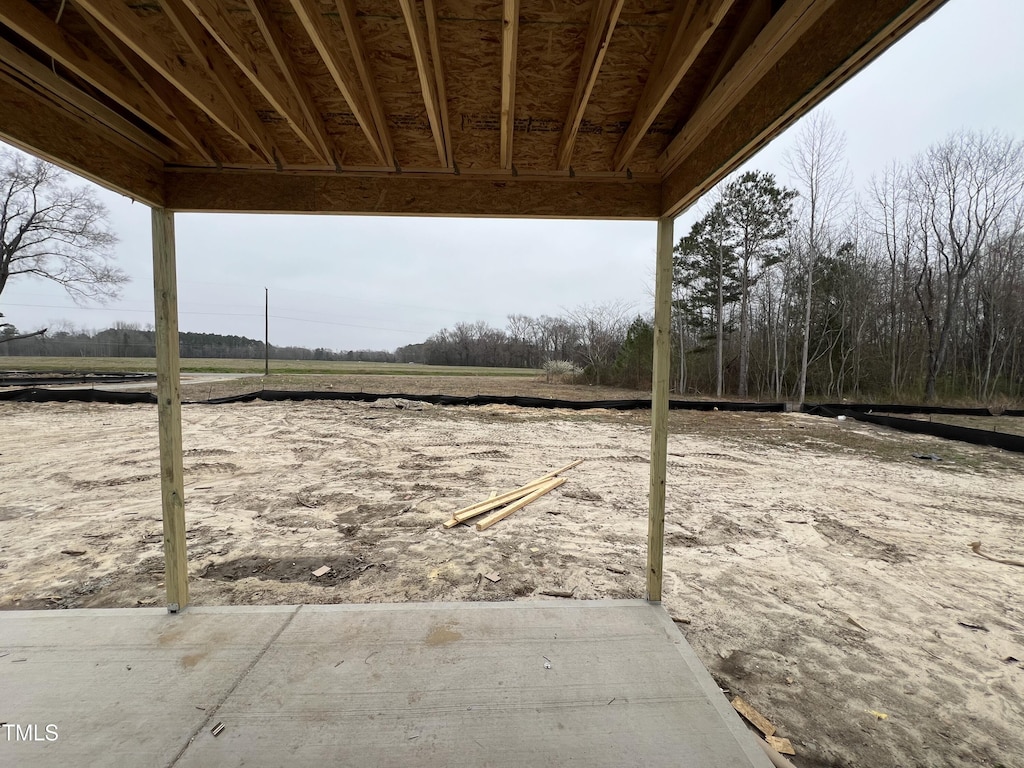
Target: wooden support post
[
  {"x": 659, "y": 409},
  {"x": 168, "y": 392}
]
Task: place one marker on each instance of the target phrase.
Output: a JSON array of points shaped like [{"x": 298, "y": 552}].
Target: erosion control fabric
[
  {"x": 1002, "y": 440},
  {"x": 99, "y": 396}
]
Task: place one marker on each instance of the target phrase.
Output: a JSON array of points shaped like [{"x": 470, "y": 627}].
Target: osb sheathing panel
[
  {"x": 548, "y": 63},
  {"x": 341, "y": 124},
  {"x": 470, "y": 39},
  {"x": 684, "y": 99},
  {"x": 389, "y": 48},
  {"x": 627, "y": 63}
]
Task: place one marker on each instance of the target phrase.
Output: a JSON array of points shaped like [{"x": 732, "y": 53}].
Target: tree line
[
  {"x": 913, "y": 289},
  {"x": 132, "y": 340}
]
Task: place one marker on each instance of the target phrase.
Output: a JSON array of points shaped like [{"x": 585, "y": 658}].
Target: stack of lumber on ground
[{"x": 505, "y": 504}]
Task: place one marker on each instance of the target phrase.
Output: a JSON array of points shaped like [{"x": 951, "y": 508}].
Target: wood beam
[
  {"x": 409, "y": 194},
  {"x": 346, "y": 10},
  {"x": 659, "y": 409},
  {"x": 847, "y": 37},
  {"x": 689, "y": 30},
  {"x": 428, "y": 63},
  {"x": 168, "y": 398},
  {"x": 20, "y": 63},
  {"x": 313, "y": 21},
  {"x": 54, "y": 41},
  {"x": 509, "y": 44},
  {"x": 219, "y": 70},
  {"x": 162, "y": 92},
  {"x": 78, "y": 143},
  {"x": 754, "y": 20},
  {"x": 188, "y": 77},
  {"x": 602, "y": 23},
  {"x": 275, "y": 39},
  {"x": 307, "y": 125},
  {"x": 788, "y": 25},
  {"x": 434, "y": 39}
]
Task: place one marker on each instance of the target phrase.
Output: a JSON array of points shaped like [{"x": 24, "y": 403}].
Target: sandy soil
[{"x": 816, "y": 567}]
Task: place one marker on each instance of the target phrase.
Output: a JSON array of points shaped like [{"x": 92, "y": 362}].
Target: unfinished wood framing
[
  {"x": 599, "y": 36},
  {"x": 316, "y": 27},
  {"x": 172, "y": 484},
  {"x": 659, "y": 409},
  {"x": 690, "y": 29},
  {"x": 279, "y": 92},
  {"x": 509, "y": 44},
  {"x": 428, "y": 62}
]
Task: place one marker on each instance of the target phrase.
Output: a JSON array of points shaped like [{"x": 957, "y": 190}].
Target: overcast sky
[{"x": 378, "y": 283}]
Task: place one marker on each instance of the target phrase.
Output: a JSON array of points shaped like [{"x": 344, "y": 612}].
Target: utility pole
[{"x": 266, "y": 332}]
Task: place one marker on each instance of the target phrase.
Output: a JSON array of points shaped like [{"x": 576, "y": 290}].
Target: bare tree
[
  {"x": 601, "y": 329},
  {"x": 966, "y": 189},
  {"x": 53, "y": 231},
  {"x": 818, "y": 165}
]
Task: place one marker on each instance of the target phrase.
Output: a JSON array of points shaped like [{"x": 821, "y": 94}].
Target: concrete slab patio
[{"x": 544, "y": 683}]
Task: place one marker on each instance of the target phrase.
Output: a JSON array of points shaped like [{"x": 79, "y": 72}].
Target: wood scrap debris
[
  {"x": 759, "y": 721},
  {"x": 976, "y": 547},
  {"x": 73, "y": 552},
  {"x": 504, "y": 504},
  {"x": 558, "y": 592},
  {"x": 781, "y": 745},
  {"x": 323, "y": 570},
  {"x": 492, "y": 577}
]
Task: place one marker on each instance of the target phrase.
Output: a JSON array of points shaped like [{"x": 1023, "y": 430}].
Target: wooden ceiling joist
[
  {"x": 54, "y": 41},
  {"x": 754, "y": 20},
  {"x": 509, "y": 43},
  {"x": 791, "y": 21},
  {"x": 163, "y": 93},
  {"x": 185, "y": 75},
  {"x": 78, "y": 142},
  {"x": 19, "y": 64},
  {"x": 279, "y": 49},
  {"x": 692, "y": 24},
  {"x": 434, "y": 40},
  {"x": 599, "y": 35},
  {"x": 346, "y": 11},
  {"x": 428, "y": 63},
  {"x": 308, "y": 12},
  {"x": 303, "y": 119},
  {"x": 216, "y": 90},
  {"x": 211, "y": 105}
]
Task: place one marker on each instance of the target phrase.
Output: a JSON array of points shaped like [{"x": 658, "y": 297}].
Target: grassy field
[{"x": 255, "y": 367}]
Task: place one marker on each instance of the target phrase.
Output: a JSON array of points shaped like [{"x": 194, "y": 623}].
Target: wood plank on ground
[{"x": 501, "y": 514}]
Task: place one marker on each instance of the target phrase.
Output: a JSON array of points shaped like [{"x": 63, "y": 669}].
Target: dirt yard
[{"x": 818, "y": 569}]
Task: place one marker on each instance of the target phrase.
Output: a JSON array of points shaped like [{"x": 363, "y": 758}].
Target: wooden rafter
[
  {"x": 691, "y": 26},
  {"x": 78, "y": 142},
  {"x": 222, "y": 73},
  {"x": 787, "y": 26},
  {"x": 19, "y": 63},
  {"x": 434, "y": 39},
  {"x": 275, "y": 39},
  {"x": 428, "y": 64},
  {"x": 40, "y": 31},
  {"x": 162, "y": 91},
  {"x": 312, "y": 20},
  {"x": 276, "y": 89},
  {"x": 602, "y": 23},
  {"x": 346, "y": 10},
  {"x": 754, "y": 20},
  {"x": 509, "y": 44},
  {"x": 186, "y": 76}
]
